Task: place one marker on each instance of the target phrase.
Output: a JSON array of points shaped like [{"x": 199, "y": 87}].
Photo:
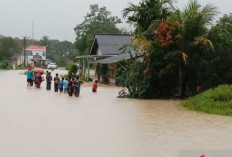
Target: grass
[
  {"x": 214, "y": 101},
  {"x": 21, "y": 68}
]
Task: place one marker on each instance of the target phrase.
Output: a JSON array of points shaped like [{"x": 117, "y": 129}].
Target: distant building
[
  {"x": 36, "y": 52},
  {"x": 33, "y": 55}
]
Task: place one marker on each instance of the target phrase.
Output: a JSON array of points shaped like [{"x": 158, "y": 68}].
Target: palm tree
[
  {"x": 196, "y": 19},
  {"x": 146, "y": 14}
]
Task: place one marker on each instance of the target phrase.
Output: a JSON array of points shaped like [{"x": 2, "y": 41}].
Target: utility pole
[
  {"x": 24, "y": 50},
  {"x": 32, "y": 31}
]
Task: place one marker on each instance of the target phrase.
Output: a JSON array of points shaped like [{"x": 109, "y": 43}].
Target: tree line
[
  {"x": 97, "y": 20},
  {"x": 61, "y": 52}
]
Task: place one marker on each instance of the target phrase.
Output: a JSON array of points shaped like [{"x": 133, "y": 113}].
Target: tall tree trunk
[{"x": 183, "y": 84}]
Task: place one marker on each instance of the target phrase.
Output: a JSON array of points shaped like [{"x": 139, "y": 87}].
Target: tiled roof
[{"x": 35, "y": 47}]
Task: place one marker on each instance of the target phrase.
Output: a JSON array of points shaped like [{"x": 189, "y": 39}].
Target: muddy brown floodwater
[{"x": 40, "y": 123}]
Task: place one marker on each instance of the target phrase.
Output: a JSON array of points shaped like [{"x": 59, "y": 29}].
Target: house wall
[
  {"x": 42, "y": 53},
  {"x": 99, "y": 52},
  {"x": 20, "y": 60}
]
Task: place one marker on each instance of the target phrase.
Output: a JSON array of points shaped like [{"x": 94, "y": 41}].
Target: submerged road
[{"x": 40, "y": 123}]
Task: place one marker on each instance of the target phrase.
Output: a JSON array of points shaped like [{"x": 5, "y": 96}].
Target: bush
[
  {"x": 72, "y": 70},
  {"x": 4, "y": 65},
  {"x": 22, "y": 67},
  {"x": 131, "y": 76},
  {"x": 214, "y": 101},
  {"x": 152, "y": 78}
]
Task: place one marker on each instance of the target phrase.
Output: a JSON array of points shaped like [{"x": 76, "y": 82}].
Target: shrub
[
  {"x": 72, "y": 70},
  {"x": 4, "y": 65}
]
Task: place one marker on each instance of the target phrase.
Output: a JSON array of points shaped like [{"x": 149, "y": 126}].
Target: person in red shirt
[{"x": 95, "y": 86}]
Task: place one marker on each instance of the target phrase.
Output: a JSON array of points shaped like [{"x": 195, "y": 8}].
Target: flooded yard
[{"x": 40, "y": 123}]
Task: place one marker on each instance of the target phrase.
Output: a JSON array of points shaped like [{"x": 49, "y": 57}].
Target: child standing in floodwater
[
  {"x": 61, "y": 85},
  {"x": 65, "y": 86},
  {"x": 95, "y": 86}
]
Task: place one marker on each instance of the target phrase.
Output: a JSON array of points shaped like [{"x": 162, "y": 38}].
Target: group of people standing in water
[{"x": 70, "y": 86}]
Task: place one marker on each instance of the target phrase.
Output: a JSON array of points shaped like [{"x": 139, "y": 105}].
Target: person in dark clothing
[
  {"x": 56, "y": 83},
  {"x": 77, "y": 87},
  {"x": 70, "y": 87},
  {"x": 49, "y": 81}
]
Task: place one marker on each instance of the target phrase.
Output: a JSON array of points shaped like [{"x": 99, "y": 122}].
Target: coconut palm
[
  {"x": 196, "y": 19},
  {"x": 146, "y": 13}
]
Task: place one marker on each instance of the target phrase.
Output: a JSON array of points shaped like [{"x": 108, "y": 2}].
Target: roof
[
  {"x": 35, "y": 47},
  {"x": 94, "y": 56},
  {"x": 121, "y": 57},
  {"x": 110, "y": 44}
]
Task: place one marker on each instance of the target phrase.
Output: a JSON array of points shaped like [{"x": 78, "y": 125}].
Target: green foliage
[
  {"x": 147, "y": 15},
  {"x": 154, "y": 78},
  {"x": 60, "y": 52},
  {"x": 214, "y": 101},
  {"x": 215, "y": 68},
  {"x": 72, "y": 70},
  {"x": 98, "y": 20},
  {"x": 176, "y": 68},
  {"x": 104, "y": 70},
  {"x": 82, "y": 78},
  {"x": 4, "y": 65},
  {"x": 8, "y": 48},
  {"x": 22, "y": 67}
]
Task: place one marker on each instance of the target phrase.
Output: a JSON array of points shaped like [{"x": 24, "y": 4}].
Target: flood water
[{"x": 40, "y": 123}]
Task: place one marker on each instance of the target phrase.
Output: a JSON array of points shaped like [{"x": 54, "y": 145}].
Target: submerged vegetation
[{"x": 214, "y": 101}]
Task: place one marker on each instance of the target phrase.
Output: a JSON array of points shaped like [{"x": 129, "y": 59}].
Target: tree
[
  {"x": 98, "y": 20},
  {"x": 61, "y": 52},
  {"x": 45, "y": 41},
  {"x": 8, "y": 48},
  {"x": 175, "y": 43},
  {"x": 193, "y": 44},
  {"x": 147, "y": 15},
  {"x": 215, "y": 69}
]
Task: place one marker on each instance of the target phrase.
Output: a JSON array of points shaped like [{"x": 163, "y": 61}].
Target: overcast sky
[{"x": 57, "y": 18}]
